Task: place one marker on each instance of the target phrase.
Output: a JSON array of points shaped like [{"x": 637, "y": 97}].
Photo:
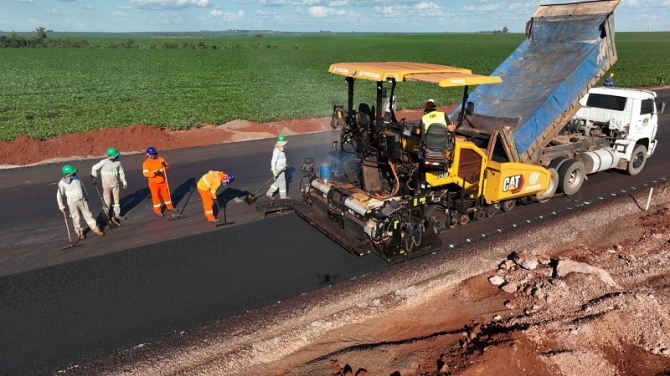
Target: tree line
[{"x": 40, "y": 40}]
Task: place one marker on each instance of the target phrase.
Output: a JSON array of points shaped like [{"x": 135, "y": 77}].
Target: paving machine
[{"x": 406, "y": 184}]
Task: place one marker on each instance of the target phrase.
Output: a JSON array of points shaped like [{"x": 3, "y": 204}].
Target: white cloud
[
  {"x": 226, "y": 16},
  {"x": 274, "y": 3},
  {"x": 170, "y": 4},
  {"x": 68, "y": 1},
  {"x": 322, "y": 12},
  {"x": 483, "y": 8},
  {"x": 338, "y": 3},
  {"x": 24, "y": 1},
  {"x": 117, "y": 14},
  {"x": 89, "y": 6},
  {"x": 53, "y": 11}
]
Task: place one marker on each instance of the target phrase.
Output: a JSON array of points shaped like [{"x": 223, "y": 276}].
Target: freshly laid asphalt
[{"x": 54, "y": 317}]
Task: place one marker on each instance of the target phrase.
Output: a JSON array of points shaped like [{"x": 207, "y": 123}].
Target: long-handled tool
[
  {"x": 69, "y": 236},
  {"x": 251, "y": 196},
  {"x": 167, "y": 185},
  {"x": 224, "y": 223},
  {"x": 111, "y": 221}
]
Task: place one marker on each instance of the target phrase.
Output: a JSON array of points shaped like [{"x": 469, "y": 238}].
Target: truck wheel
[
  {"x": 464, "y": 219},
  {"x": 637, "y": 160},
  {"x": 553, "y": 185},
  {"x": 436, "y": 216},
  {"x": 479, "y": 214},
  {"x": 508, "y": 205},
  {"x": 557, "y": 162},
  {"x": 572, "y": 175}
]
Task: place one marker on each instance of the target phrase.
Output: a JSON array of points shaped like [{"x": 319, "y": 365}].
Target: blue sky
[{"x": 301, "y": 15}]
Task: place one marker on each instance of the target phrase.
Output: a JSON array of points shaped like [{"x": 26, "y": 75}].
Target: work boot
[
  {"x": 159, "y": 214},
  {"x": 286, "y": 198},
  {"x": 173, "y": 209},
  {"x": 81, "y": 236},
  {"x": 215, "y": 220},
  {"x": 270, "y": 197},
  {"x": 97, "y": 232}
]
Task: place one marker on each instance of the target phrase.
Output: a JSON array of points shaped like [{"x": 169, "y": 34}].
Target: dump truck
[{"x": 533, "y": 128}]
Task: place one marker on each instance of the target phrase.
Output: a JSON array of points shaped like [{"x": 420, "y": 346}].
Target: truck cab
[{"x": 629, "y": 118}]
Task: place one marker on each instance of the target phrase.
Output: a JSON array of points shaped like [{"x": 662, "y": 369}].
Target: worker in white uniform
[
  {"x": 73, "y": 192},
  {"x": 111, "y": 173},
  {"x": 278, "y": 166}
]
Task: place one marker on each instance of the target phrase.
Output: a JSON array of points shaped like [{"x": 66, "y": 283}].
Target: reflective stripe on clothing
[
  {"x": 211, "y": 181},
  {"x": 278, "y": 159},
  {"x": 73, "y": 191},
  {"x": 111, "y": 172},
  {"x": 151, "y": 165},
  {"x": 207, "y": 203}
]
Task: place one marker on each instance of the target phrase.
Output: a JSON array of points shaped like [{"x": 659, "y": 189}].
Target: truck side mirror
[
  {"x": 470, "y": 108},
  {"x": 660, "y": 107}
]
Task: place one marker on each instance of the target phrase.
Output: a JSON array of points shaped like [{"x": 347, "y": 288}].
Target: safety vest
[{"x": 435, "y": 117}]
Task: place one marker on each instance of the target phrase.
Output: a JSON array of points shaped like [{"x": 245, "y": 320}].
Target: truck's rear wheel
[
  {"x": 572, "y": 175},
  {"x": 637, "y": 160},
  {"x": 464, "y": 219},
  {"x": 508, "y": 205},
  {"x": 436, "y": 216},
  {"x": 490, "y": 210},
  {"x": 553, "y": 185}
]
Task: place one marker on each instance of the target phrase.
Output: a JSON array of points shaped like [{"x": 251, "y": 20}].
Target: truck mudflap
[{"x": 407, "y": 240}]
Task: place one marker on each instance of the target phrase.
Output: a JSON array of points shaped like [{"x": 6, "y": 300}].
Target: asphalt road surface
[{"x": 153, "y": 277}]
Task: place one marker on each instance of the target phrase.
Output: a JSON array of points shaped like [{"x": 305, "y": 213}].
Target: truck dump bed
[{"x": 568, "y": 47}]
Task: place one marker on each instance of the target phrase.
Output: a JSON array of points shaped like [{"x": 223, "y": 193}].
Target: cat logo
[{"x": 513, "y": 183}]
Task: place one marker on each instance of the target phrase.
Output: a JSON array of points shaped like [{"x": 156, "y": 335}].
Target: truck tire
[
  {"x": 553, "y": 185},
  {"x": 436, "y": 216},
  {"x": 571, "y": 176},
  {"x": 463, "y": 219},
  {"x": 637, "y": 159},
  {"x": 490, "y": 210},
  {"x": 557, "y": 162}
]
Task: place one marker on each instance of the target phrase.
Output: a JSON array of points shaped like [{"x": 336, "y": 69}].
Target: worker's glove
[
  {"x": 214, "y": 197},
  {"x": 94, "y": 179},
  {"x": 62, "y": 208},
  {"x": 158, "y": 172},
  {"x": 125, "y": 185},
  {"x": 164, "y": 164},
  {"x": 275, "y": 173}
]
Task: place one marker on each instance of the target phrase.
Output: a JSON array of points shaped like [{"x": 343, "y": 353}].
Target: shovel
[{"x": 250, "y": 196}]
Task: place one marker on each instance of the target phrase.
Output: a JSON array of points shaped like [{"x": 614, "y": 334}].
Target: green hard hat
[
  {"x": 111, "y": 152},
  {"x": 69, "y": 169},
  {"x": 281, "y": 139}
]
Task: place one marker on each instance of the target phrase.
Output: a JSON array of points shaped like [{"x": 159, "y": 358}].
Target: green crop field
[{"x": 49, "y": 92}]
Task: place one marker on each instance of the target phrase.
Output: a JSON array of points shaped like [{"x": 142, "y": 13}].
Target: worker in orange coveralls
[
  {"x": 207, "y": 186},
  {"x": 154, "y": 169}
]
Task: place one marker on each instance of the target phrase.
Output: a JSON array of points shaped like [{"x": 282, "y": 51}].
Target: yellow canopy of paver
[{"x": 441, "y": 75}]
